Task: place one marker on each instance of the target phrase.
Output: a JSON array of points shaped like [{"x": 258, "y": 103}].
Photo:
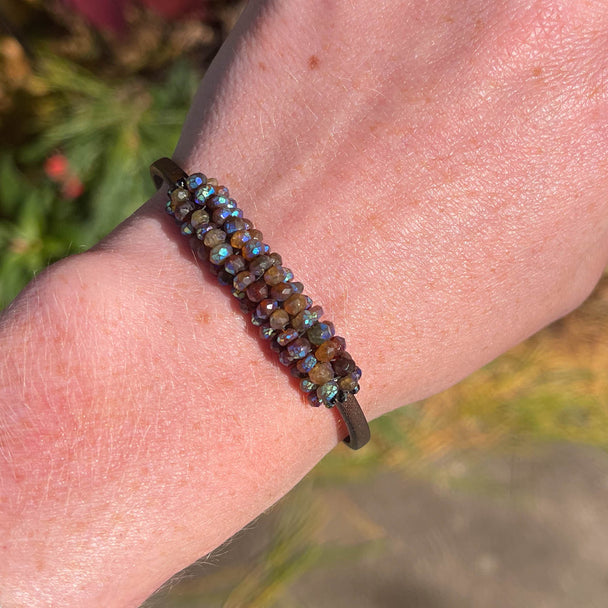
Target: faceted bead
[
  {"x": 266, "y": 248},
  {"x": 238, "y": 294},
  {"x": 232, "y": 224},
  {"x": 252, "y": 248},
  {"x": 257, "y": 291},
  {"x": 304, "y": 320},
  {"x": 223, "y": 191},
  {"x": 281, "y": 291},
  {"x": 260, "y": 265},
  {"x": 284, "y": 358},
  {"x": 321, "y": 331},
  {"x": 215, "y": 237},
  {"x": 186, "y": 229},
  {"x": 182, "y": 210},
  {"x": 306, "y": 385},
  {"x": 239, "y": 238},
  {"x": 321, "y": 373},
  {"x": 265, "y": 308},
  {"x": 274, "y": 275},
  {"x": 256, "y": 319},
  {"x": 295, "y": 304},
  {"x": 297, "y": 287},
  {"x": 266, "y": 332},
  {"x": 213, "y": 182},
  {"x": 195, "y": 181},
  {"x": 308, "y": 301},
  {"x": 201, "y": 231},
  {"x": 220, "y": 215},
  {"x": 219, "y": 253},
  {"x": 235, "y": 264},
  {"x": 286, "y": 336},
  {"x": 248, "y": 224},
  {"x": 328, "y": 392},
  {"x": 317, "y": 311},
  {"x": 203, "y": 193},
  {"x": 342, "y": 365},
  {"x": 199, "y": 218},
  {"x": 340, "y": 341},
  {"x": 313, "y": 399},
  {"x": 306, "y": 364},
  {"x": 243, "y": 279},
  {"x": 288, "y": 274},
  {"x": 179, "y": 196},
  {"x": 278, "y": 319},
  {"x": 327, "y": 351},
  {"x": 347, "y": 383},
  {"x": 299, "y": 348},
  {"x": 276, "y": 259},
  {"x": 256, "y": 234},
  {"x": 215, "y": 202},
  {"x": 357, "y": 373}
]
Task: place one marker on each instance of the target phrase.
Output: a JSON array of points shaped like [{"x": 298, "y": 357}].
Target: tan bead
[
  {"x": 321, "y": 373},
  {"x": 274, "y": 275},
  {"x": 278, "y": 319},
  {"x": 327, "y": 351},
  {"x": 295, "y": 303},
  {"x": 239, "y": 238}
]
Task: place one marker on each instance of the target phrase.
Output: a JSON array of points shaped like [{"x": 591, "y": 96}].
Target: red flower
[{"x": 56, "y": 167}]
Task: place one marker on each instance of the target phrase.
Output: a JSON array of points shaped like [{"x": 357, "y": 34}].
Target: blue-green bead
[
  {"x": 328, "y": 392},
  {"x": 223, "y": 191},
  {"x": 186, "y": 229},
  {"x": 304, "y": 320},
  {"x": 266, "y": 332},
  {"x": 288, "y": 274},
  {"x": 235, "y": 264},
  {"x": 232, "y": 224},
  {"x": 215, "y": 202},
  {"x": 252, "y": 249},
  {"x": 169, "y": 207},
  {"x": 286, "y": 336},
  {"x": 306, "y": 385},
  {"x": 306, "y": 364},
  {"x": 203, "y": 230},
  {"x": 297, "y": 287},
  {"x": 195, "y": 181},
  {"x": 320, "y": 332},
  {"x": 219, "y": 253},
  {"x": 298, "y": 349},
  {"x": 204, "y": 193}
]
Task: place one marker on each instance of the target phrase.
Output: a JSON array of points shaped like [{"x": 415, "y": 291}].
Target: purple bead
[
  {"x": 285, "y": 337},
  {"x": 284, "y": 358},
  {"x": 298, "y": 349},
  {"x": 307, "y": 363},
  {"x": 313, "y": 399}
]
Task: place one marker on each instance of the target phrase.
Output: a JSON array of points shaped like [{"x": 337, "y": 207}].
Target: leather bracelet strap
[{"x": 195, "y": 194}]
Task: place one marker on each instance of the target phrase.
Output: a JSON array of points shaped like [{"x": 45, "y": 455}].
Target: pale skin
[{"x": 433, "y": 172}]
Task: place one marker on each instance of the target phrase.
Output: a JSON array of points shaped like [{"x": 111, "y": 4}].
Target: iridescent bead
[
  {"x": 257, "y": 291},
  {"x": 286, "y": 336},
  {"x": 265, "y": 308},
  {"x": 306, "y": 385},
  {"x": 219, "y": 253},
  {"x": 195, "y": 181},
  {"x": 321, "y": 331},
  {"x": 306, "y": 364},
  {"x": 223, "y": 191},
  {"x": 235, "y": 264},
  {"x": 217, "y": 201},
  {"x": 232, "y": 224},
  {"x": 274, "y": 275},
  {"x": 328, "y": 392},
  {"x": 256, "y": 319},
  {"x": 239, "y": 238},
  {"x": 321, "y": 373},
  {"x": 313, "y": 399},
  {"x": 243, "y": 279},
  {"x": 266, "y": 332},
  {"x": 357, "y": 373},
  {"x": 317, "y": 311},
  {"x": 186, "y": 229},
  {"x": 342, "y": 365},
  {"x": 260, "y": 265},
  {"x": 199, "y": 218},
  {"x": 347, "y": 383},
  {"x": 252, "y": 249},
  {"x": 341, "y": 342},
  {"x": 238, "y": 294},
  {"x": 219, "y": 216},
  {"x": 169, "y": 207},
  {"x": 179, "y": 196},
  {"x": 299, "y": 348},
  {"x": 308, "y": 301},
  {"x": 182, "y": 210},
  {"x": 248, "y": 224},
  {"x": 284, "y": 358},
  {"x": 278, "y": 319},
  {"x": 281, "y": 291},
  {"x": 213, "y": 182},
  {"x": 266, "y": 248},
  {"x": 214, "y": 237},
  {"x": 327, "y": 351},
  {"x": 295, "y": 304},
  {"x": 304, "y": 320},
  {"x": 203, "y": 193},
  {"x": 256, "y": 234},
  {"x": 356, "y": 390},
  {"x": 201, "y": 231},
  {"x": 297, "y": 287},
  {"x": 276, "y": 259},
  {"x": 288, "y": 274}
]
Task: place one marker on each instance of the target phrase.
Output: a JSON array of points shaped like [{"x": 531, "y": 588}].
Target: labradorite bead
[
  {"x": 343, "y": 365},
  {"x": 203, "y": 193},
  {"x": 252, "y": 248},
  {"x": 195, "y": 181},
  {"x": 266, "y": 332},
  {"x": 199, "y": 218},
  {"x": 256, "y": 234},
  {"x": 219, "y": 216},
  {"x": 328, "y": 392},
  {"x": 266, "y": 307},
  {"x": 235, "y": 264},
  {"x": 321, "y": 373},
  {"x": 278, "y": 319},
  {"x": 216, "y": 201},
  {"x": 257, "y": 291},
  {"x": 281, "y": 292},
  {"x": 201, "y": 231},
  {"x": 213, "y": 182},
  {"x": 340, "y": 341},
  {"x": 307, "y": 363},
  {"x": 223, "y": 191},
  {"x": 357, "y": 373},
  {"x": 288, "y": 274},
  {"x": 239, "y": 238},
  {"x": 182, "y": 210},
  {"x": 219, "y": 253},
  {"x": 321, "y": 331},
  {"x": 248, "y": 224},
  {"x": 256, "y": 319},
  {"x": 304, "y": 320},
  {"x": 232, "y": 224},
  {"x": 306, "y": 385},
  {"x": 284, "y": 358},
  {"x": 243, "y": 279},
  {"x": 274, "y": 275},
  {"x": 347, "y": 383},
  {"x": 238, "y": 294},
  {"x": 299, "y": 348},
  {"x": 276, "y": 259},
  {"x": 327, "y": 351},
  {"x": 295, "y": 304},
  {"x": 260, "y": 265},
  {"x": 286, "y": 336},
  {"x": 215, "y": 237},
  {"x": 179, "y": 196},
  {"x": 317, "y": 311},
  {"x": 313, "y": 399},
  {"x": 297, "y": 287}
]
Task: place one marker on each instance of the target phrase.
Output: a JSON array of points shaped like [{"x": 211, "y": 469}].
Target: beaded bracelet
[{"x": 265, "y": 289}]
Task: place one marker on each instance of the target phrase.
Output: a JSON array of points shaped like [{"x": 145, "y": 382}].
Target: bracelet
[{"x": 287, "y": 319}]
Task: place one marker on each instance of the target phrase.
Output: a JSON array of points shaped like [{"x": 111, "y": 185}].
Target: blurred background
[{"x": 493, "y": 493}]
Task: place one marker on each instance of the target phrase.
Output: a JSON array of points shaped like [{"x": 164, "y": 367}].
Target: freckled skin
[{"x": 436, "y": 180}]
